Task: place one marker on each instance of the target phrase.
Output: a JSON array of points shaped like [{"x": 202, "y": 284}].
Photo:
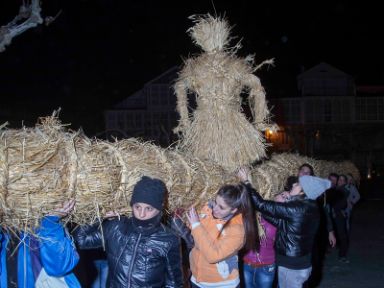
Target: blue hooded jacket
[{"x": 47, "y": 262}]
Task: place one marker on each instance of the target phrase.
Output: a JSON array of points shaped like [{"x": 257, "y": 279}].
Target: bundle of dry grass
[
  {"x": 189, "y": 180},
  {"x": 35, "y": 172},
  {"x": 218, "y": 130},
  {"x": 41, "y": 167},
  {"x": 270, "y": 177},
  {"x": 44, "y": 166}
]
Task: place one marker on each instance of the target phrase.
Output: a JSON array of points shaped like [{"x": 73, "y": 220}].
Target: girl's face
[
  {"x": 221, "y": 209},
  {"x": 143, "y": 211},
  {"x": 304, "y": 171},
  {"x": 296, "y": 190}
]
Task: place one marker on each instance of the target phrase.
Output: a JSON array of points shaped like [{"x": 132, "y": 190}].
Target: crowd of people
[{"x": 238, "y": 239}]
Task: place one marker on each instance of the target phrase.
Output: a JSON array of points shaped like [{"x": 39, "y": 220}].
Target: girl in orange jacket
[{"x": 221, "y": 229}]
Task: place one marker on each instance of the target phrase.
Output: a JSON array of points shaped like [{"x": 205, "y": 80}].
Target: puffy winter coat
[
  {"x": 47, "y": 262},
  {"x": 137, "y": 256},
  {"x": 297, "y": 222}
]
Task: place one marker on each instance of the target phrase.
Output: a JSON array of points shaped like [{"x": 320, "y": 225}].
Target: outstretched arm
[
  {"x": 268, "y": 208},
  {"x": 57, "y": 250},
  {"x": 181, "y": 89}
]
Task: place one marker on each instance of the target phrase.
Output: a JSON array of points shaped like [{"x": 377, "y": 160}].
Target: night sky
[{"x": 98, "y": 52}]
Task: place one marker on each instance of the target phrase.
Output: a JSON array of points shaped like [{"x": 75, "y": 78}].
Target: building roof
[
  {"x": 135, "y": 101},
  {"x": 323, "y": 70},
  {"x": 168, "y": 77},
  {"x": 138, "y": 100}
]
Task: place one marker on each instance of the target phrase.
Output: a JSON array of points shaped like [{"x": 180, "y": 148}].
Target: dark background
[{"x": 98, "y": 52}]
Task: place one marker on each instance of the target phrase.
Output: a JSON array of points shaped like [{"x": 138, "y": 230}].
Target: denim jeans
[
  {"x": 260, "y": 277},
  {"x": 102, "y": 274},
  {"x": 290, "y": 278}
]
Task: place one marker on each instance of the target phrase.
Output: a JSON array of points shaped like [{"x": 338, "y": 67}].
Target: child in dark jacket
[{"x": 141, "y": 251}]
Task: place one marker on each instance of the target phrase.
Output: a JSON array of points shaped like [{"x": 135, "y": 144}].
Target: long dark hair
[
  {"x": 345, "y": 179},
  {"x": 236, "y": 196}
]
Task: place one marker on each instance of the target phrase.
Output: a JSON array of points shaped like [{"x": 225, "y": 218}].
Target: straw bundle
[
  {"x": 43, "y": 166},
  {"x": 35, "y": 172},
  {"x": 189, "y": 180},
  {"x": 218, "y": 130},
  {"x": 97, "y": 171},
  {"x": 270, "y": 176}
]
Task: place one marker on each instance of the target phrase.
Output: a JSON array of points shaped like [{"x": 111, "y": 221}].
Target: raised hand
[
  {"x": 111, "y": 214},
  {"x": 62, "y": 210},
  {"x": 192, "y": 216},
  {"x": 243, "y": 174}
]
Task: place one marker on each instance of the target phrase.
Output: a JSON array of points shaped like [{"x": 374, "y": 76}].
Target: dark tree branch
[{"x": 28, "y": 17}]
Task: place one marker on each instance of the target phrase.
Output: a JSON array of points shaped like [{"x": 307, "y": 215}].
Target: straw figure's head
[{"x": 210, "y": 33}]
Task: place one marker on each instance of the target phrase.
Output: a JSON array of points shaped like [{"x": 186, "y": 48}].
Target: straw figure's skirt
[{"x": 225, "y": 137}]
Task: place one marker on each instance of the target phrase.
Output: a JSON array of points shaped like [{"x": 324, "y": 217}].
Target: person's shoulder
[
  {"x": 237, "y": 220},
  {"x": 166, "y": 234},
  {"x": 300, "y": 204},
  {"x": 166, "y": 231},
  {"x": 116, "y": 222}
]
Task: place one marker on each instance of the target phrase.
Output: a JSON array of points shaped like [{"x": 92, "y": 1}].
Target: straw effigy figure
[{"x": 218, "y": 130}]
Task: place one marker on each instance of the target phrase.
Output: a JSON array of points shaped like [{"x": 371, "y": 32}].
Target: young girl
[{"x": 221, "y": 229}]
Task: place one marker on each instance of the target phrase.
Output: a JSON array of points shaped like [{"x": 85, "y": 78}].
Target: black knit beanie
[{"x": 149, "y": 191}]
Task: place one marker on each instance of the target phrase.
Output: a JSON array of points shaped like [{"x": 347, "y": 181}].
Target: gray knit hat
[{"x": 313, "y": 186}]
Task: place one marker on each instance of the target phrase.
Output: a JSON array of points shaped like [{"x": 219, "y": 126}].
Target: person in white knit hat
[{"x": 297, "y": 222}]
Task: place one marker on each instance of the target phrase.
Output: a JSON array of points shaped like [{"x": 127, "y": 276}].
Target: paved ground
[{"x": 366, "y": 254}]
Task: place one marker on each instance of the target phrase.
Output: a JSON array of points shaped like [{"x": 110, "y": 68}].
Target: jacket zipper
[{"x": 132, "y": 260}]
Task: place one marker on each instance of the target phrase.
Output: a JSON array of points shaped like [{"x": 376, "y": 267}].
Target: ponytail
[{"x": 237, "y": 196}]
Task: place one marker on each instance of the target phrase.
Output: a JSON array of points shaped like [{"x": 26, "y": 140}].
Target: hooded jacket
[{"x": 47, "y": 262}]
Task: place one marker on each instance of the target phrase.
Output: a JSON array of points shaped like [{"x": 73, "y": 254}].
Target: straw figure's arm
[
  {"x": 181, "y": 88},
  {"x": 257, "y": 101}
]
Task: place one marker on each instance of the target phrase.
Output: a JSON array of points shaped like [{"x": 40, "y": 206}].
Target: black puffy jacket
[
  {"x": 297, "y": 222},
  {"x": 137, "y": 257}
]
